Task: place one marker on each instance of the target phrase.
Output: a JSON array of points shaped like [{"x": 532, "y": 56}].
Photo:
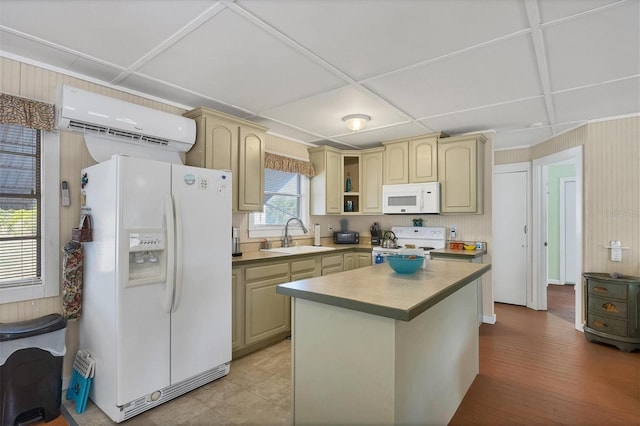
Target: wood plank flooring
[
  {"x": 535, "y": 368},
  {"x": 561, "y": 301}
]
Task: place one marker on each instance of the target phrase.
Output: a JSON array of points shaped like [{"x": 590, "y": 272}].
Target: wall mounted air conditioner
[{"x": 111, "y": 126}]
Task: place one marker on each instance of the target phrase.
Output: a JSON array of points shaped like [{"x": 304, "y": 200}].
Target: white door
[
  {"x": 509, "y": 260},
  {"x": 201, "y": 319},
  {"x": 568, "y": 269}
]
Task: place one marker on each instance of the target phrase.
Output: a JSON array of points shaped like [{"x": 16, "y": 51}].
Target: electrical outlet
[
  {"x": 452, "y": 232},
  {"x": 329, "y": 227},
  {"x": 616, "y": 251}
]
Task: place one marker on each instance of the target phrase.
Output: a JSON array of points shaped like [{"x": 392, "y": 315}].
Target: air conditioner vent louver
[{"x": 101, "y": 130}]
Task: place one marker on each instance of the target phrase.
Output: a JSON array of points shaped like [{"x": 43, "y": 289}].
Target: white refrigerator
[{"x": 156, "y": 308}]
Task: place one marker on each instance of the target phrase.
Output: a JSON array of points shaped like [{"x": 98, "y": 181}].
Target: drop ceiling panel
[
  {"x": 551, "y": 10},
  {"x": 35, "y": 51},
  {"x": 364, "y": 39},
  {"x": 607, "y": 100},
  {"x": 513, "y": 115},
  {"x": 367, "y": 139},
  {"x": 97, "y": 70},
  {"x": 114, "y": 31},
  {"x": 521, "y": 138},
  {"x": 178, "y": 95},
  {"x": 298, "y": 67},
  {"x": 594, "y": 48},
  {"x": 238, "y": 63},
  {"x": 280, "y": 129},
  {"x": 323, "y": 114},
  {"x": 496, "y": 73}
]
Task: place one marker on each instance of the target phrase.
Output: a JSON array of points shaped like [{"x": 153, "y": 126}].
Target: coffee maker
[{"x": 235, "y": 242}]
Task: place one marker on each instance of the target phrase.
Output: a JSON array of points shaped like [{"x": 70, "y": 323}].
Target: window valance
[
  {"x": 26, "y": 112},
  {"x": 288, "y": 164}
]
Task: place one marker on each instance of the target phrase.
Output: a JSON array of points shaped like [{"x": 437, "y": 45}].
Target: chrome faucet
[{"x": 287, "y": 238}]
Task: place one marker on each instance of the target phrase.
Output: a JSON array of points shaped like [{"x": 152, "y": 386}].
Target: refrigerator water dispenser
[{"x": 147, "y": 257}]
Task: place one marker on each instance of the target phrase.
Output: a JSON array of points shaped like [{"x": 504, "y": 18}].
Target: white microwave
[{"x": 411, "y": 198}]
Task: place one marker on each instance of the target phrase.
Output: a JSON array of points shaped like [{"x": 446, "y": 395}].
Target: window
[
  {"x": 29, "y": 242},
  {"x": 19, "y": 205},
  {"x": 284, "y": 197}
]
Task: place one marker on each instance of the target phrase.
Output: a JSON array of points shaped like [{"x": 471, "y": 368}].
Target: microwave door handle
[{"x": 422, "y": 197}]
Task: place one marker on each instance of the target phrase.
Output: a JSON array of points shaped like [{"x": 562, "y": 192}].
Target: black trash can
[{"x": 31, "y": 354}]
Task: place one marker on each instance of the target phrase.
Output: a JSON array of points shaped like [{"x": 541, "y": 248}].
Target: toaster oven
[{"x": 346, "y": 237}]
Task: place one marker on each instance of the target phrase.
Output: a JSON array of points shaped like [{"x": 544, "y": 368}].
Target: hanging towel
[{"x": 72, "y": 261}]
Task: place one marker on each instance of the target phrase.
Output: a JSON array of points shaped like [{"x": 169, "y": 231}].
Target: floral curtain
[
  {"x": 26, "y": 112},
  {"x": 287, "y": 164}
]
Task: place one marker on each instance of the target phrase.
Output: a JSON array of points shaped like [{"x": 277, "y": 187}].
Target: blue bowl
[{"x": 405, "y": 263}]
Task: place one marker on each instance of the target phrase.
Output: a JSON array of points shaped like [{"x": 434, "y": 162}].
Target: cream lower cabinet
[
  {"x": 461, "y": 174},
  {"x": 260, "y": 316},
  {"x": 362, "y": 260},
  {"x": 305, "y": 268},
  {"x": 355, "y": 260},
  {"x": 225, "y": 142},
  {"x": 237, "y": 309},
  {"x": 332, "y": 264},
  {"x": 348, "y": 261},
  {"x": 267, "y": 313}
]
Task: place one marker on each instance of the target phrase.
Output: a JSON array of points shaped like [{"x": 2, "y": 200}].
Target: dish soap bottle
[{"x": 348, "y": 184}]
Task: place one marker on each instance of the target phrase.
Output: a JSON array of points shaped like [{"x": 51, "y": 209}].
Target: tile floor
[{"x": 257, "y": 390}]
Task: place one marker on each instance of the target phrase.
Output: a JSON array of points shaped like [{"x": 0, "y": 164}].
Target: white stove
[{"x": 420, "y": 240}]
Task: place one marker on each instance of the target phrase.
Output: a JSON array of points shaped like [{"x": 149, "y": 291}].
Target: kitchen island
[{"x": 373, "y": 346}]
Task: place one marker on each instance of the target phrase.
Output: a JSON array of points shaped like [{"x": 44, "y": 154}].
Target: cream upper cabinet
[
  {"x": 461, "y": 174},
  {"x": 326, "y": 185},
  {"x": 371, "y": 182},
  {"x": 396, "y": 163},
  {"x": 251, "y": 169},
  {"x": 229, "y": 143},
  {"x": 351, "y": 182},
  {"x": 423, "y": 159},
  {"x": 412, "y": 160}
]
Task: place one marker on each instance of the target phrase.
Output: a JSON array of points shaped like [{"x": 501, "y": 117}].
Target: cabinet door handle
[
  {"x": 599, "y": 289},
  {"x": 599, "y": 323},
  {"x": 609, "y": 307}
]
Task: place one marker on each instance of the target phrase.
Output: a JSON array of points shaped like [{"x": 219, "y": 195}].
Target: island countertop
[{"x": 378, "y": 290}]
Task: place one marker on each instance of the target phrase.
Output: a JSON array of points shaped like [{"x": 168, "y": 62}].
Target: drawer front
[
  {"x": 305, "y": 265},
  {"x": 332, "y": 261},
  {"x": 259, "y": 273},
  {"x": 607, "y": 325},
  {"x": 610, "y": 307},
  {"x": 608, "y": 290}
]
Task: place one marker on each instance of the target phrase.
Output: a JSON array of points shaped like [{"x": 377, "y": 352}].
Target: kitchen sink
[{"x": 298, "y": 249}]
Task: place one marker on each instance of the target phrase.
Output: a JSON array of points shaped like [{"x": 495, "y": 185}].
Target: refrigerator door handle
[
  {"x": 178, "y": 256},
  {"x": 170, "y": 220}
]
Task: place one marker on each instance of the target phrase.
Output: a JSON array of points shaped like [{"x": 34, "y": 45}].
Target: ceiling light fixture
[{"x": 356, "y": 122}]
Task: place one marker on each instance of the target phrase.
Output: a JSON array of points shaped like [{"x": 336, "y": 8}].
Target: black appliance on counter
[
  {"x": 346, "y": 237},
  {"x": 376, "y": 234}
]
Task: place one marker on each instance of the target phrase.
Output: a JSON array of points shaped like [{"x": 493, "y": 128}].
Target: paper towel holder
[{"x": 316, "y": 235}]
